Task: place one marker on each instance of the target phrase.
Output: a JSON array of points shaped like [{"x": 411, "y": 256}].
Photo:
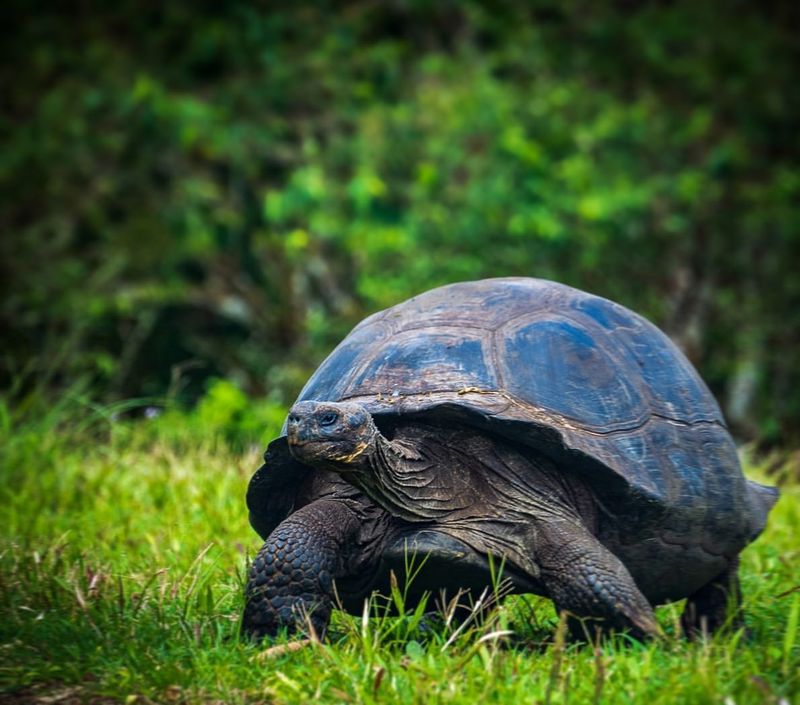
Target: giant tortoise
[{"x": 506, "y": 421}]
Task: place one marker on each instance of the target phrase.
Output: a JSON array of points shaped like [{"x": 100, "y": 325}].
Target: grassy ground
[{"x": 123, "y": 552}]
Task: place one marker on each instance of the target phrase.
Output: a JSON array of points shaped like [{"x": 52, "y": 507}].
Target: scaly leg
[
  {"x": 590, "y": 583},
  {"x": 291, "y": 578}
]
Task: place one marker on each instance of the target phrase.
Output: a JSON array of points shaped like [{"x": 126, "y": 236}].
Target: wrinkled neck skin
[
  {"x": 459, "y": 477},
  {"x": 399, "y": 477}
]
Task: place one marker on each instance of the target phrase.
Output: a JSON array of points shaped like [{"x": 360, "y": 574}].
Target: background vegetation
[
  {"x": 198, "y": 190},
  {"x": 199, "y": 199}
]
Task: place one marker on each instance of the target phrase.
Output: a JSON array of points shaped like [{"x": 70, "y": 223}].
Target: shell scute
[
  {"x": 673, "y": 386},
  {"x": 558, "y": 365},
  {"x": 420, "y": 361}
]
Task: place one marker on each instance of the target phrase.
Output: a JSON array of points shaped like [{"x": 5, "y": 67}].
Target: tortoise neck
[{"x": 399, "y": 475}]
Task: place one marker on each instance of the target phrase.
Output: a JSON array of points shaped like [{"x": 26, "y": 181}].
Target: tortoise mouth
[{"x": 339, "y": 456}]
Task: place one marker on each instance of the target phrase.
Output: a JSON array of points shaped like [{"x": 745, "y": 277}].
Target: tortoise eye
[{"x": 328, "y": 418}]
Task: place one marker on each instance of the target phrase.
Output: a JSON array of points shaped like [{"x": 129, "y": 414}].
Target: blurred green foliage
[{"x": 221, "y": 190}]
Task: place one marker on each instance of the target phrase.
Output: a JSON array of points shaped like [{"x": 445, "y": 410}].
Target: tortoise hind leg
[
  {"x": 589, "y": 582},
  {"x": 715, "y": 605}
]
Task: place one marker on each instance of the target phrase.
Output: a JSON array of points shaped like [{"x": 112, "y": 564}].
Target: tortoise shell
[{"x": 582, "y": 379}]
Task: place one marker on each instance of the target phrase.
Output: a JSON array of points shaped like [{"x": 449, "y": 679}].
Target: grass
[{"x": 122, "y": 558}]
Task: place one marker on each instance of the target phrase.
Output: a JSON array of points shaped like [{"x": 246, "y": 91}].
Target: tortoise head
[{"x": 333, "y": 435}]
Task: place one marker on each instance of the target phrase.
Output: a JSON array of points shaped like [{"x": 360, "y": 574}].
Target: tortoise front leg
[
  {"x": 589, "y": 582},
  {"x": 291, "y": 579}
]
